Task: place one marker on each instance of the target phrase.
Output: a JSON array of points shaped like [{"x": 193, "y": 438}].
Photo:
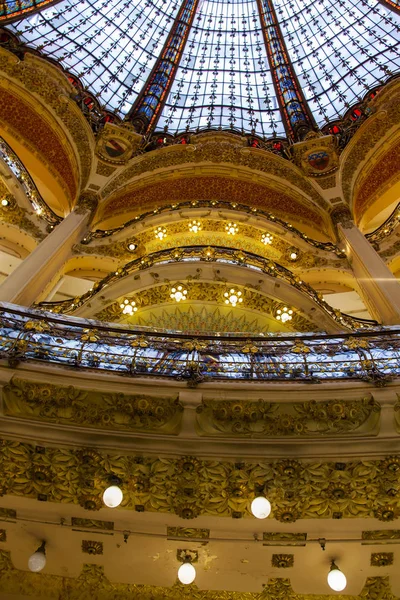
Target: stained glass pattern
[
  {"x": 224, "y": 79},
  {"x": 13, "y": 9},
  {"x": 110, "y": 44},
  {"x": 148, "y": 105},
  {"x": 339, "y": 49}
]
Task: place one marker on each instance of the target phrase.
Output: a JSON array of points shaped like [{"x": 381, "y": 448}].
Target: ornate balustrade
[{"x": 32, "y": 335}]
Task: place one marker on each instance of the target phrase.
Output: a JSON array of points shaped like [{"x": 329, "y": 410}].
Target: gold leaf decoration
[
  {"x": 92, "y": 547},
  {"x": 57, "y": 404},
  {"x": 381, "y": 559},
  {"x": 282, "y": 561},
  {"x": 267, "y": 419}
]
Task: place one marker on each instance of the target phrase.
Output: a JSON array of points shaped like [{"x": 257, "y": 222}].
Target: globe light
[
  {"x": 231, "y": 228},
  {"x": 113, "y": 496},
  {"x": 261, "y": 507},
  {"x": 186, "y": 573},
  {"x": 336, "y": 579},
  {"x": 132, "y": 247},
  {"x": 160, "y": 233},
  {"x": 293, "y": 256},
  {"x": 178, "y": 293},
  {"x": 5, "y": 202},
  {"x": 195, "y": 226},
  {"x": 233, "y": 297},
  {"x": 284, "y": 314},
  {"x": 37, "y": 561},
  {"x": 266, "y": 238}
]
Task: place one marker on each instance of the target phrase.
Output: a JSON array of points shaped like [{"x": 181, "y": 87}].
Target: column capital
[
  {"x": 88, "y": 201},
  {"x": 341, "y": 215}
]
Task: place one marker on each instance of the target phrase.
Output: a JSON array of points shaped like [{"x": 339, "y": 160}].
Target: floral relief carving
[
  {"x": 57, "y": 404},
  {"x": 191, "y": 487},
  {"x": 267, "y": 419}
]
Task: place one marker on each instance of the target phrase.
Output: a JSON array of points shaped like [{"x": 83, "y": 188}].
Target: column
[
  {"x": 379, "y": 287},
  {"x": 25, "y": 285},
  {"x": 145, "y": 111},
  {"x": 296, "y": 114}
]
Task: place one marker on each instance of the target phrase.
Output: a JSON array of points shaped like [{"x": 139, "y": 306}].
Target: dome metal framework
[{"x": 269, "y": 68}]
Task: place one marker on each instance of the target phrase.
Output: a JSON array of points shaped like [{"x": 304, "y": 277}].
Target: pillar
[
  {"x": 25, "y": 285},
  {"x": 379, "y": 287}
]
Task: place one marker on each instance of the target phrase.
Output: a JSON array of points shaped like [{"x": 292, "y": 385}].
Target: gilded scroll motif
[
  {"x": 267, "y": 419},
  {"x": 190, "y": 487},
  {"x": 87, "y": 408}
]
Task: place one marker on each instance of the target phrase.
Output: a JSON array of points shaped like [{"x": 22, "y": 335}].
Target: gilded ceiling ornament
[
  {"x": 284, "y": 539},
  {"x": 188, "y": 533},
  {"x": 105, "y": 170},
  {"x": 282, "y": 561},
  {"x": 190, "y": 487},
  {"x": 3, "y": 535},
  {"x": 92, "y": 547},
  {"x": 92, "y": 524},
  {"x": 317, "y": 156},
  {"x": 381, "y": 559},
  {"x": 116, "y": 144},
  {"x": 381, "y": 535}
]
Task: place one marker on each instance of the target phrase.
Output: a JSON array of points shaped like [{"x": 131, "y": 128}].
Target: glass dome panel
[
  {"x": 224, "y": 78},
  {"x": 339, "y": 50}
]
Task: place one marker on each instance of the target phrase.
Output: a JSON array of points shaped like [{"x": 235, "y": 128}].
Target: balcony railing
[{"x": 32, "y": 335}]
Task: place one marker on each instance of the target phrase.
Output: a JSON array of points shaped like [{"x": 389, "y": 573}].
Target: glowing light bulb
[
  {"x": 266, "y": 238},
  {"x": 195, "y": 226},
  {"x": 231, "y": 228},
  {"x": 233, "y": 297},
  {"x": 186, "y": 573},
  {"x": 178, "y": 293},
  {"x": 37, "y": 561},
  {"x": 293, "y": 256},
  {"x": 261, "y": 507},
  {"x": 5, "y": 202},
  {"x": 284, "y": 314},
  {"x": 160, "y": 233},
  {"x": 132, "y": 247},
  {"x": 336, "y": 579},
  {"x": 113, "y": 496}
]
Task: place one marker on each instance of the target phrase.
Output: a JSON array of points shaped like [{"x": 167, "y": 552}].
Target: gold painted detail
[
  {"x": 274, "y": 538},
  {"x": 87, "y": 202},
  {"x": 381, "y": 559},
  {"x": 92, "y": 524},
  {"x": 3, "y": 535},
  {"x": 188, "y": 533},
  {"x": 317, "y": 156},
  {"x": 282, "y": 561},
  {"x": 57, "y": 404},
  {"x": 53, "y": 87},
  {"x": 294, "y": 419},
  {"x": 206, "y": 320},
  {"x": 209, "y": 254},
  {"x": 92, "y": 547},
  {"x": 7, "y": 513},
  {"x": 92, "y": 584},
  {"x": 190, "y": 487},
  {"x": 117, "y": 143},
  {"x": 381, "y": 535}
]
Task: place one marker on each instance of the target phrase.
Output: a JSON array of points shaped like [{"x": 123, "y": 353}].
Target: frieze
[
  {"x": 269, "y": 419},
  {"x": 209, "y": 149},
  {"x": 87, "y": 408},
  {"x": 93, "y": 584},
  {"x": 189, "y": 486}
]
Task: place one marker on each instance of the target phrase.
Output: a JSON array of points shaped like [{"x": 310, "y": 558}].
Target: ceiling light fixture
[
  {"x": 195, "y": 226},
  {"x": 113, "y": 496},
  {"x": 5, "y": 202},
  {"x": 284, "y": 314},
  {"x": 231, "y": 228},
  {"x": 187, "y": 572},
  {"x": 233, "y": 297},
  {"x": 128, "y": 307},
  {"x": 178, "y": 293},
  {"x": 132, "y": 247},
  {"x": 261, "y": 507},
  {"x": 37, "y": 561},
  {"x": 336, "y": 579},
  {"x": 266, "y": 238},
  {"x": 293, "y": 255},
  {"x": 160, "y": 233}
]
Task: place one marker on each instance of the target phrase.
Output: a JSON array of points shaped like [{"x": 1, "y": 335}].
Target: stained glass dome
[{"x": 260, "y": 66}]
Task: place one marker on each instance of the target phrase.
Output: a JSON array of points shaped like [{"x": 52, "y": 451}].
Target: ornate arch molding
[
  {"x": 213, "y": 182},
  {"x": 36, "y": 78},
  {"x": 373, "y": 134},
  {"x": 217, "y": 148},
  {"x": 131, "y": 282}
]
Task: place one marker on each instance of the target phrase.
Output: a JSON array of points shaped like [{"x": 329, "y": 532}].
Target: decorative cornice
[
  {"x": 189, "y": 487},
  {"x": 87, "y": 408}
]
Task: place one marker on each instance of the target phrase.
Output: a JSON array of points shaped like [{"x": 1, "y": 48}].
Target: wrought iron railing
[
  {"x": 384, "y": 230},
  {"x": 31, "y": 335},
  {"x": 32, "y": 193},
  {"x": 217, "y": 254}
]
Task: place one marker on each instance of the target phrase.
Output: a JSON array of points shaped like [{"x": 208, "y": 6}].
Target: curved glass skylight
[{"x": 339, "y": 49}]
